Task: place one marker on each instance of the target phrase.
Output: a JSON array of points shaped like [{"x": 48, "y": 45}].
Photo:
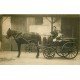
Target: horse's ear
[{"x": 9, "y": 29}]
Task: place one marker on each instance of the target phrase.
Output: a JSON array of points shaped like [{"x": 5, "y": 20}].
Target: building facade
[{"x": 68, "y": 24}]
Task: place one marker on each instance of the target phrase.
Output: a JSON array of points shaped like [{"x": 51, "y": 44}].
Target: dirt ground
[{"x": 10, "y": 58}]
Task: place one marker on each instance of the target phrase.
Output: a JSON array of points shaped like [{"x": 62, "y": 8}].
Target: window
[{"x": 38, "y": 20}]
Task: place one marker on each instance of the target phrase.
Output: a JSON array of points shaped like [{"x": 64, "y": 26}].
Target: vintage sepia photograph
[{"x": 39, "y": 39}]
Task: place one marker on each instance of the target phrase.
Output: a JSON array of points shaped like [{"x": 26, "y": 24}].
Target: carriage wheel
[
  {"x": 72, "y": 53},
  {"x": 59, "y": 52},
  {"x": 71, "y": 50},
  {"x": 48, "y": 53}
]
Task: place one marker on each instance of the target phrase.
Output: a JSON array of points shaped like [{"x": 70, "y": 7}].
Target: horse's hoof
[
  {"x": 37, "y": 56},
  {"x": 18, "y": 56}
]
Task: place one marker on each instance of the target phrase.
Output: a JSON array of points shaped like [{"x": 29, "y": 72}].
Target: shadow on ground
[{"x": 6, "y": 59}]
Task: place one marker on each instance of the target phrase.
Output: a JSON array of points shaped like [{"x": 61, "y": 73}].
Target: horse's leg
[
  {"x": 37, "y": 51},
  {"x": 19, "y": 50}
]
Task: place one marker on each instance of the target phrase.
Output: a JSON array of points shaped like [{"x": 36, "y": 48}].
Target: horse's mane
[{"x": 15, "y": 32}]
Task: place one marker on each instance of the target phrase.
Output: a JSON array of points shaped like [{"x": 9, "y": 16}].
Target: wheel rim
[
  {"x": 72, "y": 53},
  {"x": 48, "y": 53}
]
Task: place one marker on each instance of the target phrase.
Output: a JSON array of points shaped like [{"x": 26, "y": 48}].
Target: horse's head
[{"x": 9, "y": 34}]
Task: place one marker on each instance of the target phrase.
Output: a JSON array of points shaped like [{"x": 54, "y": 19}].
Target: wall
[
  {"x": 70, "y": 26},
  {"x": 0, "y": 31},
  {"x": 30, "y": 21},
  {"x": 19, "y": 23},
  {"x": 45, "y": 28},
  {"x": 6, "y": 24}
]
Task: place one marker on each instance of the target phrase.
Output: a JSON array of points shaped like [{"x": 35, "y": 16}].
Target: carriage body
[{"x": 64, "y": 47}]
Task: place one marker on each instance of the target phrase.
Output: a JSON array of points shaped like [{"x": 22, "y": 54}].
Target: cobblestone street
[{"x": 9, "y": 58}]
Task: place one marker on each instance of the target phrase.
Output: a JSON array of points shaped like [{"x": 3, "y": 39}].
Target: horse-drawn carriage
[{"x": 64, "y": 47}]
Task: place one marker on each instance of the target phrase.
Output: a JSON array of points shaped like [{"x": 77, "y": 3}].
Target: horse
[{"x": 25, "y": 38}]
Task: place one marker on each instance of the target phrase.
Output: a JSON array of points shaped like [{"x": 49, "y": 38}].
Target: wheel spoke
[
  {"x": 48, "y": 53},
  {"x": 71, "y": 54},
  {"x": 71, "y": 50}
]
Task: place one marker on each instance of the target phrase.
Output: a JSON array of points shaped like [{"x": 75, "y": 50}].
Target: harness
[
  {"x": 17, "y": 35},
  {"x": 21, "y": 36}
]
